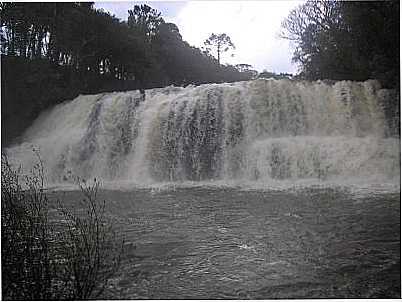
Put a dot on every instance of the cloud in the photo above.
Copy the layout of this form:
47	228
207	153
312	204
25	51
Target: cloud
117	8
169	9
252	25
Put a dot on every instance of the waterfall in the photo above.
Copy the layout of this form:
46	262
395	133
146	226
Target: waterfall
261	130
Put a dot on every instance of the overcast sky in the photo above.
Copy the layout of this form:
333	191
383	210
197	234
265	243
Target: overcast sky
252	25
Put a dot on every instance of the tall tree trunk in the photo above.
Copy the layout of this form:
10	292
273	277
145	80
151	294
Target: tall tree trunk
219	54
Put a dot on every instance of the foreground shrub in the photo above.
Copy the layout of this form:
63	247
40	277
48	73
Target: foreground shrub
90	253
67	255
25	233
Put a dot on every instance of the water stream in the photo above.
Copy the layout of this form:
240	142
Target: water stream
258	131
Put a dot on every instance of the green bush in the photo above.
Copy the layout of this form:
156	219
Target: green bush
70	254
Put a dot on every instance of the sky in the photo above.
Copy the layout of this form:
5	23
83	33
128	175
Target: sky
253	27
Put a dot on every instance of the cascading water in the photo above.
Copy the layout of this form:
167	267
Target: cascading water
259	131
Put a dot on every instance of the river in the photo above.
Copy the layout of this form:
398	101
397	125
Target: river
207	242
257	189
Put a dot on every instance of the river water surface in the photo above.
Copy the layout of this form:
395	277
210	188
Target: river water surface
230	243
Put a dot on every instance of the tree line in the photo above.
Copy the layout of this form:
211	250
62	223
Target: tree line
346	40
333	39
144	49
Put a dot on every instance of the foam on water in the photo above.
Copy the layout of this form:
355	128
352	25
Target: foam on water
263	133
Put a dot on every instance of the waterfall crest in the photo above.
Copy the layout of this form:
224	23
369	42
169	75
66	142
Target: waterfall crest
261	130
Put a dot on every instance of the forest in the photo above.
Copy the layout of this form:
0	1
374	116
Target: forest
51	52
346	40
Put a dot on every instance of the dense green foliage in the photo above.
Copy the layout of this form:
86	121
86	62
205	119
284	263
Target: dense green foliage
145	48
346	40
